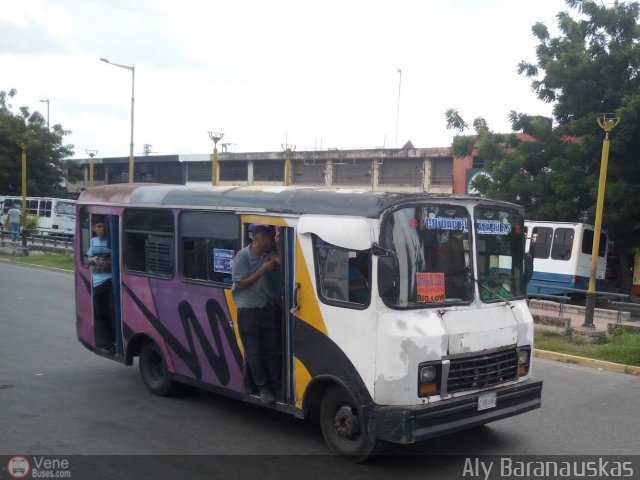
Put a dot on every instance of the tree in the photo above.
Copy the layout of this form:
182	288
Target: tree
45	151
591	67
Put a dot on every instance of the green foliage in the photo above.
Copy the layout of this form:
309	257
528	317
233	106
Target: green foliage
592	66
44	151
31	222
455	121
618	347
462	146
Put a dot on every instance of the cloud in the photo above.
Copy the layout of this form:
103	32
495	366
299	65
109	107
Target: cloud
29	39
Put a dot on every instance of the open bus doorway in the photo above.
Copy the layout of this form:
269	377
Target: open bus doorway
274	350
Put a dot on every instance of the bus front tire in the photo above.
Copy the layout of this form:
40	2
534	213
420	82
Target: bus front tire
154	373
343	427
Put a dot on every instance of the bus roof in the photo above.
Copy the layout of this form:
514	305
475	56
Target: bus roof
280	199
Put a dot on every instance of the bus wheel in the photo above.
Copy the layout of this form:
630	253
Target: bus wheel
343	428
153	371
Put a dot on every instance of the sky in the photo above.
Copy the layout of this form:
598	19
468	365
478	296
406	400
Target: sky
314	75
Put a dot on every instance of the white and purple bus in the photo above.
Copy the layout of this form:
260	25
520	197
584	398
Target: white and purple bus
437	339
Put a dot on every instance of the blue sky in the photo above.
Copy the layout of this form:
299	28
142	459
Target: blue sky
318	74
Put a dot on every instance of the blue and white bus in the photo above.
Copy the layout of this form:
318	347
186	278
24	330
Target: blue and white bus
562	256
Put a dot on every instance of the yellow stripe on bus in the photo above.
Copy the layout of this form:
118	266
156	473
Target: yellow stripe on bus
233	312
302	379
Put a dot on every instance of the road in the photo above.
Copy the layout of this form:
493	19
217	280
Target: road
57	398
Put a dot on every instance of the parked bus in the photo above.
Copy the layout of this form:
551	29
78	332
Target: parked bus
561	254
56	216
440	341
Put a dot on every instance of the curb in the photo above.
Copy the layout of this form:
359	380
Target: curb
587	362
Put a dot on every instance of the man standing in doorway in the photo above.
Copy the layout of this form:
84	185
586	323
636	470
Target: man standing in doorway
258	307
99	254
15	215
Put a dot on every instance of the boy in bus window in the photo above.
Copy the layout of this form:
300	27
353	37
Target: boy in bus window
99	255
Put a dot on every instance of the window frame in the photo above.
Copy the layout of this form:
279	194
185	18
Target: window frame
125	243
180	245
319	280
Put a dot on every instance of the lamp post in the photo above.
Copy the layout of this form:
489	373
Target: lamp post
47	101
216	137
132	69
91	153
607	122
288	150
23	146
398	110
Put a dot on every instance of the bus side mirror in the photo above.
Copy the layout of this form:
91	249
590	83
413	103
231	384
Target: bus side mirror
387	277
528	267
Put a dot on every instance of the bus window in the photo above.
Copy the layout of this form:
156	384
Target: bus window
32	207
343	274
562	244
45	208
209	241
541	242
431	245
587	243
500	247
148	236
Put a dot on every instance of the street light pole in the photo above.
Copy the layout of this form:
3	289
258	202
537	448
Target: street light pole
288	150
398	110
23	208
47	101
607	122
132	69
216	137
91	153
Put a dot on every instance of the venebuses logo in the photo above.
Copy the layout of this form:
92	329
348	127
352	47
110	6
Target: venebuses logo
18	467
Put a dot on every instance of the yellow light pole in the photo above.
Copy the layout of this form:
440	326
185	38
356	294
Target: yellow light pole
23	208
216	137
132	69
606	121
288	150
91	153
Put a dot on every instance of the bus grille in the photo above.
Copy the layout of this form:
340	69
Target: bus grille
482	371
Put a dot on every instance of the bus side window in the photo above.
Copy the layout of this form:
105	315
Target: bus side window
208	242
149	240
541	242
343	274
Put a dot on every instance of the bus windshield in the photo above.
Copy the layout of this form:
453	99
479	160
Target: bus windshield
431	245
500	254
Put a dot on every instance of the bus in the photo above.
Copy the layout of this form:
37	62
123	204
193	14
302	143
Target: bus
561	254
440	341
56	216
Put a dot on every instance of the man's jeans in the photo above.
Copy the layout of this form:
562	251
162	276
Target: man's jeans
15	231
260	334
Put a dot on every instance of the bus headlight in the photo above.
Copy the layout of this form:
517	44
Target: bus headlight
524	360
429	379
428	374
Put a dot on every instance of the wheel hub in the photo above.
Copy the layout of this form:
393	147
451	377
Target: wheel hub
346	422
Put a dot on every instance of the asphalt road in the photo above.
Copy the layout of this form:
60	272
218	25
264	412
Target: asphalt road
57	398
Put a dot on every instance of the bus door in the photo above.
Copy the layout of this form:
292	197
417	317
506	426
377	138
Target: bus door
283	283
108	329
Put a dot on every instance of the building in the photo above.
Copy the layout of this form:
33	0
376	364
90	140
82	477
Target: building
393	169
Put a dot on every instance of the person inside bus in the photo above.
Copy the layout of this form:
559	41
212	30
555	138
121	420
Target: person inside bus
99	257
258	311
15	215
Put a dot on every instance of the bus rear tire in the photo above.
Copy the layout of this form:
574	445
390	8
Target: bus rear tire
343	427
154	373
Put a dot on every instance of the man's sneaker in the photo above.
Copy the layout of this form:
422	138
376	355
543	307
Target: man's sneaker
266	397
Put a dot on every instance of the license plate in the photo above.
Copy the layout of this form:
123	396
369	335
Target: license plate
487	400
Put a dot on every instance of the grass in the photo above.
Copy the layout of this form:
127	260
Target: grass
64	262
619	346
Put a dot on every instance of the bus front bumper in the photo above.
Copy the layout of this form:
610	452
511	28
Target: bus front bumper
412	424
